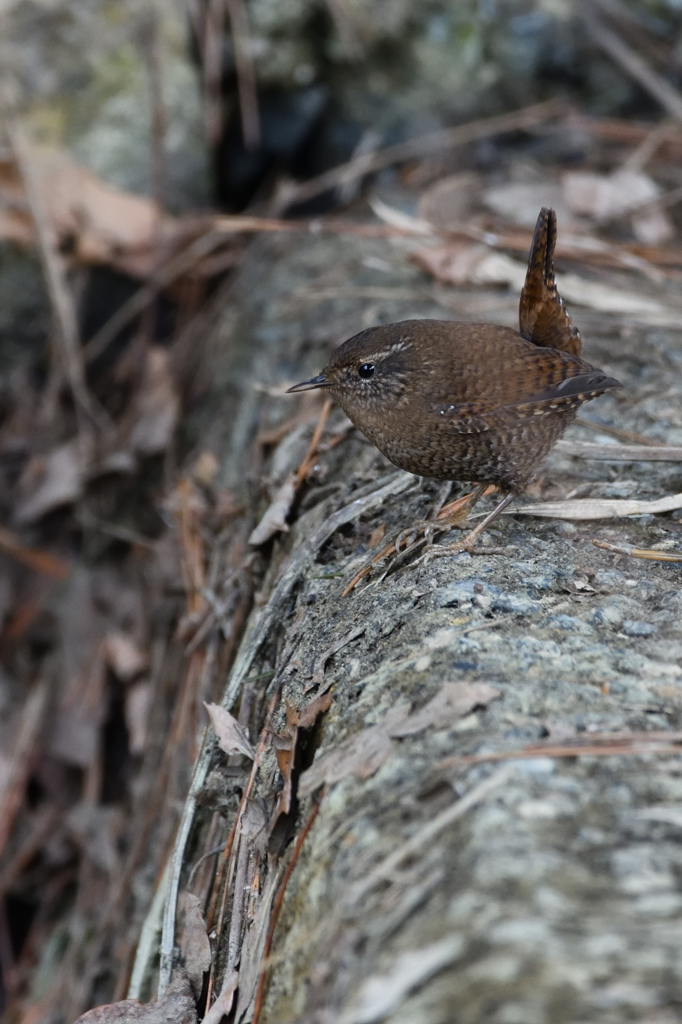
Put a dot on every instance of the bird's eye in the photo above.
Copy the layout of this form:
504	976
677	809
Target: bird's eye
366	370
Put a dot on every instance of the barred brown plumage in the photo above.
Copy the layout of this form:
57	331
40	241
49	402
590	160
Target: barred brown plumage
451	400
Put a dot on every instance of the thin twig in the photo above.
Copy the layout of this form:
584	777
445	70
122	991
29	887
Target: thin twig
277	906
634	65
212	60
423	145
61	299
41	561
622	435
644	151
650	554
619	452
597	745
246	75
138	302
225	867
22	758
151	44
311	454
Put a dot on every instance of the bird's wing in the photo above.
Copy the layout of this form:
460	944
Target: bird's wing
478	417
542	315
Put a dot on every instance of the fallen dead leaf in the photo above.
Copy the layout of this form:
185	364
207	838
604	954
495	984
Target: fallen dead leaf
364	753
600	508
306	717
452	702
205	469
75	731
455	263
610	196
157	405
97	829
285	751
124	657
376	536
361	755
102	224
176	1007
274	519
137	706
520	202
253	947
449	201
194	942
223	1004
460	263
230	735
285	745
52	481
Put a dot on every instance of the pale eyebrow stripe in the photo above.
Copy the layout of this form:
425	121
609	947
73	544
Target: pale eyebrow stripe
399	346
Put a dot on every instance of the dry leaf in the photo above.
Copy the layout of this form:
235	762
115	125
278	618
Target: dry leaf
137	706
101	224
452	702
157	405
285	751
285	745
449	201
455	263
600	508
306	717
476	264
75	731
603	196
376	536
520	202
364	753
194	942
606	197
361	755
231	737
205	469
124	657
176	1007
223	1004
274	520
400	219
52	480
251	962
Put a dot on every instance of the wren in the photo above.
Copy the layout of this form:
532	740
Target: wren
460	401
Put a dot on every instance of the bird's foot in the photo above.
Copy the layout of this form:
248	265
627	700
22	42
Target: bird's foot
424	533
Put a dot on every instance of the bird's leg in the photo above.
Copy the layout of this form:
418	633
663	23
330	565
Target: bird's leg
468	542
459	509
443	516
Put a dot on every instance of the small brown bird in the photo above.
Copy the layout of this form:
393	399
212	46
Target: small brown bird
470	401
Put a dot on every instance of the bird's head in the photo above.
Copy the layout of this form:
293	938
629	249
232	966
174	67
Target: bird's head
372	370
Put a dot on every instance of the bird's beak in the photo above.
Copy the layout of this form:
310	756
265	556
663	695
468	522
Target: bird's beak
309	385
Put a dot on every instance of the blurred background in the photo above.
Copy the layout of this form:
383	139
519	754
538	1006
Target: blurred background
134	135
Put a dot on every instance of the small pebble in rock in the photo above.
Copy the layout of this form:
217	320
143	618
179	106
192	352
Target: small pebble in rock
515	603
607	615
632	628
